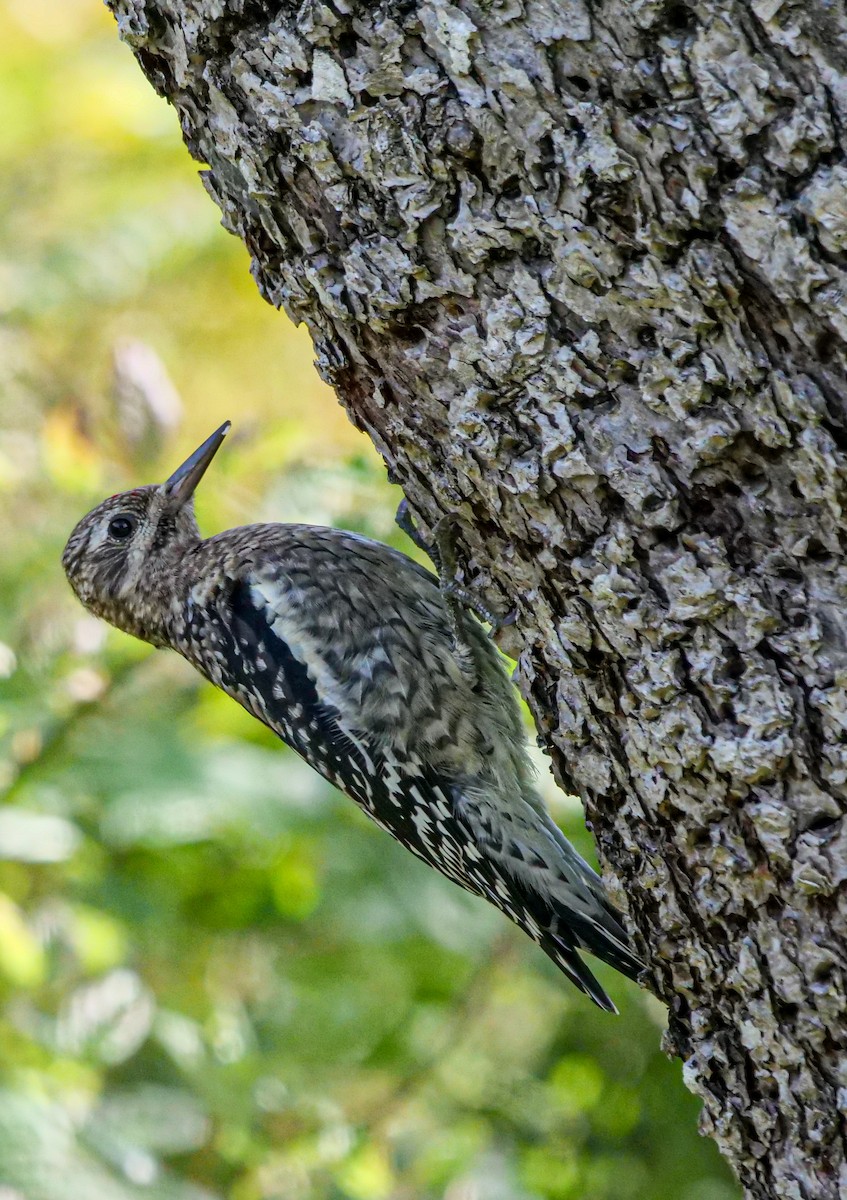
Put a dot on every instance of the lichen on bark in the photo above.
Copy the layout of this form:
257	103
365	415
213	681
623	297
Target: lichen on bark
578	270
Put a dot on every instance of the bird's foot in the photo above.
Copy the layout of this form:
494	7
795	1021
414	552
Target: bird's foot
442	552
405	521
446	551
456	598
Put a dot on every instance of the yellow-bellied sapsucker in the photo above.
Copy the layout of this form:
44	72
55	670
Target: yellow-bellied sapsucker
347	650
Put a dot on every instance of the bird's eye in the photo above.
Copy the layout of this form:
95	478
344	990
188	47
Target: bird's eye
121	528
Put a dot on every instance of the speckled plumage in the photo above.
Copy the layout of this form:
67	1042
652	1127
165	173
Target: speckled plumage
343	647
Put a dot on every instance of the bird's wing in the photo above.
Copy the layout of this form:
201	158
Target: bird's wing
297	697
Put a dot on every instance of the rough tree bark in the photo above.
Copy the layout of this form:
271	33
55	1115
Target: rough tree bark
578	270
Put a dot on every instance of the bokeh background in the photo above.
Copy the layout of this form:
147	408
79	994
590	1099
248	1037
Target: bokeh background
216	979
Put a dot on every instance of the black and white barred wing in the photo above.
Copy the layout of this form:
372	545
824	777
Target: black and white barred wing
279	672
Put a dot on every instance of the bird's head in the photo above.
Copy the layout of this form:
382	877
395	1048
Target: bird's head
118	554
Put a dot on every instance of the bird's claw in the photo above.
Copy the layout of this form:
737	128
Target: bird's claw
404	520
442	552
500	623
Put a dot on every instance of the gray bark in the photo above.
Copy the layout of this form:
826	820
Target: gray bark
579	271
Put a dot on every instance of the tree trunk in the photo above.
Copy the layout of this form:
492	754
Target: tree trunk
578	270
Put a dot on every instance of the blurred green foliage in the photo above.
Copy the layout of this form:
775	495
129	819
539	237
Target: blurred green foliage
216	978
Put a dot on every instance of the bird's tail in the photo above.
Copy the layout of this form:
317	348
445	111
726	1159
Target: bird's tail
601	934
573	921
566	958
598	931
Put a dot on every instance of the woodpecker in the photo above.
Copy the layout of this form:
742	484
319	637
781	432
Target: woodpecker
347	649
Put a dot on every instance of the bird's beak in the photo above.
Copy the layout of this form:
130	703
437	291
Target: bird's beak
180	487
